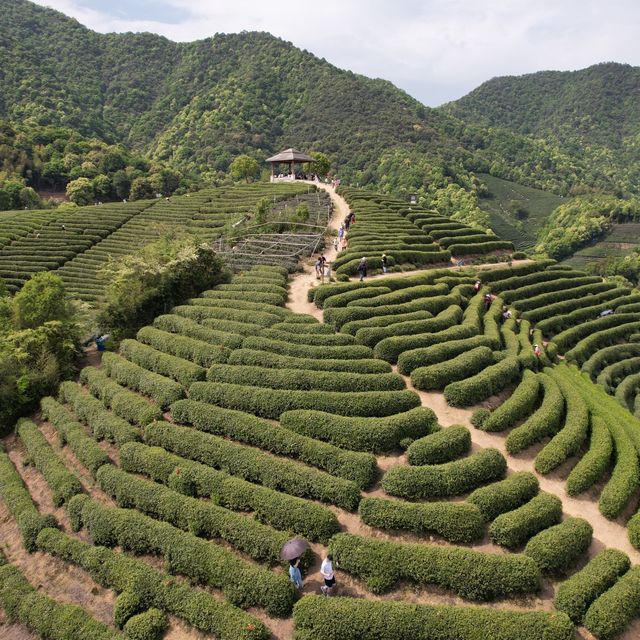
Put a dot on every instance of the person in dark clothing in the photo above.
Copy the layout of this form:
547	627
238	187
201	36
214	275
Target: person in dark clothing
362	268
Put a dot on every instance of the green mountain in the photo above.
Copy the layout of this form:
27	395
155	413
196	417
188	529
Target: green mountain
195	106
593	113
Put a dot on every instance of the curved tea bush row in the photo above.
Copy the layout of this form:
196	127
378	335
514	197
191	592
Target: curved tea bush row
415	258
527	304
384	321
613	611
568	441
519	405
570	337
271	403
318	618
471	237
559	284
196	351
362	434
226	318
611	376
319	294
276	299
505	495
518	281
144	587
442	352
185	554
279	510
253	357
351	465
627	391
63	483
480	249
206	519
104	425
296	328
72	433
501	273
20	504
439	447
253	465
285	348
45	616
608	356
514	528
584	349
460	367
347	296
318	339
444	480
557	548
160	389
544	422
179	369
454	521
575	595
304	380
124	403
399	296
469	574
484	384
595	462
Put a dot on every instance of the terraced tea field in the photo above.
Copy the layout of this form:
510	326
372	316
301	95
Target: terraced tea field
624	238
467	487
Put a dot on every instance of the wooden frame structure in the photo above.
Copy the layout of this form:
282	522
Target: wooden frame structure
290	157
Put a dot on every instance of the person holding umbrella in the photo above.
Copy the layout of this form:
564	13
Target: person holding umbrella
294	572
291	551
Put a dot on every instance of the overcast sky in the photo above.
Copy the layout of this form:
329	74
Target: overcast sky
436	50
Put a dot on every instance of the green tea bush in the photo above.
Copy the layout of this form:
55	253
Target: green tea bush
558	548
480	249
469	574
514	528
196	351
575	595
276	299
506	495
306	328
438	376
501	273
595	462
383	321
311	339
534	302
484	384
584	349
285	348
405	294
360	293
570	337
227	318
517	282
441	446
271	403
454	521
242	427
611	376
362	434
443	480
149	625
319	294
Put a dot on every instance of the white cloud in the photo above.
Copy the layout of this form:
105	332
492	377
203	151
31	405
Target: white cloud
437	50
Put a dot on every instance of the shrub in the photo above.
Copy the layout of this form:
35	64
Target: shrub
501	273
150	625
613	611
405	294
570	337
162	390
454	521
310	339
304	380
72	433
575	595
284	348
362	434
514	528
592	343
518	406
438	376
276	299
480	249
506	495
321	293
253	465
484	384
557	548
449	479
470	574
593	465
191	329
196	351
271	403
612	375
251	357
62	482
155	588
359	467
441	446
534	302
227	316
383	321
360	293
277	509
545	421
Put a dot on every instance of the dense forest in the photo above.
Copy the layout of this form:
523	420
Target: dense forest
195	106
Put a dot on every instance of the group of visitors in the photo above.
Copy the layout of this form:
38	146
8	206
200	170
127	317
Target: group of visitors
326	570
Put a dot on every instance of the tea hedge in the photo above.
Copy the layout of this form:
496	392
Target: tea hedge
460	367
513	528
399	296
362	434
469	574
444	480
558	548
147	587
480	249
226	318
505	495
311	339
285	348
575	595
359	293
527	304
384	321
271	403
317	618
358	467
454	521
254	465
148	625
441	446
570	337
62	482
279	510
611	376
196	351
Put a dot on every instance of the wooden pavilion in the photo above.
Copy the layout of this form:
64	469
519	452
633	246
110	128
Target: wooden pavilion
290	157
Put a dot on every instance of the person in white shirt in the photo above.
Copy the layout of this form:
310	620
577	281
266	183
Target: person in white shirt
326	569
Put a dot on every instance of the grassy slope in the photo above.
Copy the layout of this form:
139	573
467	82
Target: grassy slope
620	241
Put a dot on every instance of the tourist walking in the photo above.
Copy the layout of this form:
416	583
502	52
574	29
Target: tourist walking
319	267
384	263
294	572
326	569
477	285
362	268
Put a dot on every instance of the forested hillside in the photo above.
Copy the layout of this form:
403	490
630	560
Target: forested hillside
198	105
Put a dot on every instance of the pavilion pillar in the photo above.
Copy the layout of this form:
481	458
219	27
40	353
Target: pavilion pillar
272	164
